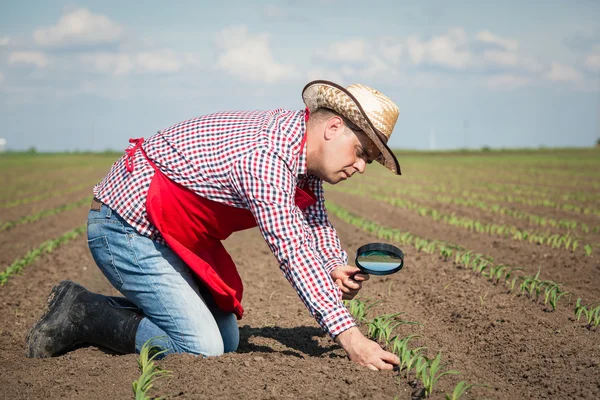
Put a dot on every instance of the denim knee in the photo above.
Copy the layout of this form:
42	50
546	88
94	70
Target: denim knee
213	348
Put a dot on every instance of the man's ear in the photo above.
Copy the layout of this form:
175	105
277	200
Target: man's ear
334	127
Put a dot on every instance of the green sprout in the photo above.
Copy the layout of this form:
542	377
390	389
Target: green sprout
460	389
381	327
431	371
150	371
592	315
358	309
446	252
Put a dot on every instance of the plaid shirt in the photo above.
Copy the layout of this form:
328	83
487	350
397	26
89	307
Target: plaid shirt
253	160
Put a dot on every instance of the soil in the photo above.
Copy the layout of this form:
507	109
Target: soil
507	342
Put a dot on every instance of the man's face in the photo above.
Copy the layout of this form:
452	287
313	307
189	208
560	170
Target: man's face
347	153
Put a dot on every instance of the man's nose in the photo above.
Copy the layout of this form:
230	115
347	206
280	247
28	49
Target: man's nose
360	165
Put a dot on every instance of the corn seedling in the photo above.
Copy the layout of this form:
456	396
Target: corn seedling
359	309
588	250
460	389
592	315
496	272
431	373
530	284
413	358
400	347
552	294
381	327
446	252
149	371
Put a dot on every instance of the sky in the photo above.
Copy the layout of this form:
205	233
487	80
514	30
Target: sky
88	75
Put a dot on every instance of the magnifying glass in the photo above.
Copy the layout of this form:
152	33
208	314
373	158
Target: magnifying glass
379	259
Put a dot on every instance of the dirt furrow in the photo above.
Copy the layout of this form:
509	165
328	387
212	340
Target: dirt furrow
16	242
578	273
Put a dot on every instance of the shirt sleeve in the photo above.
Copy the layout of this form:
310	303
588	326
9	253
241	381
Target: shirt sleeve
326	238
268	186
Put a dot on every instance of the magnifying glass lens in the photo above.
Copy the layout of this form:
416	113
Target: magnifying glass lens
379	259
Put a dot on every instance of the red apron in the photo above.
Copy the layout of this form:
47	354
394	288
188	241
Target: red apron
194	227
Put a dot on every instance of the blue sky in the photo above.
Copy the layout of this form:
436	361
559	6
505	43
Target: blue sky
90	74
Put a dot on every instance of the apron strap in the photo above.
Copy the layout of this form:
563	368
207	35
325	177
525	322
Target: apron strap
137	144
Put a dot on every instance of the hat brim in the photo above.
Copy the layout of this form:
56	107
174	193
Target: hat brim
313	100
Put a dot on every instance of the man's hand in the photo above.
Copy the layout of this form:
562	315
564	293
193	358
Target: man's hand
349	279
366	352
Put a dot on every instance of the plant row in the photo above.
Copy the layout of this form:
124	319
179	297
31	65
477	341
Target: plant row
47	247
553	240
495	208
44	213
506	195
497	181
39	186
412	360
480	264
44	196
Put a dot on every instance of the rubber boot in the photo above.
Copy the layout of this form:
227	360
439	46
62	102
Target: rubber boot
77	317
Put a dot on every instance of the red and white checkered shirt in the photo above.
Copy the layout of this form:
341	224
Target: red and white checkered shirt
252	160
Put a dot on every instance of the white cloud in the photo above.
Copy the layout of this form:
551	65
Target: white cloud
328	75
489	37
153	61
119	64
532	65
416	49
353	50
502	57
78	27
507	81
391	51
248	56
116	64
4	40
36	58
564	73
592	61
448	50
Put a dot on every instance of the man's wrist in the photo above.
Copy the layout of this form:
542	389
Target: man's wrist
345	338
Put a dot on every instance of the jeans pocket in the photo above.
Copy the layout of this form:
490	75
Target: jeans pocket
103	256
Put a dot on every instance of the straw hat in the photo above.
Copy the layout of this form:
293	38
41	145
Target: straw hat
371	111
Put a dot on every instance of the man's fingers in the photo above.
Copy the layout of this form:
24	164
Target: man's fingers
342	286
383	366
352	284
390	358
361	277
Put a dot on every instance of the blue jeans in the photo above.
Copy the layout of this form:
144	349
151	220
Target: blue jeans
159	283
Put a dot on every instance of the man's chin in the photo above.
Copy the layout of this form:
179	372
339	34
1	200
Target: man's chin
334	181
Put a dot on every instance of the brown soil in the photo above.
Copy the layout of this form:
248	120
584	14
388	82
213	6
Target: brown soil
476	214
579	274
18	241
16	212
495	338
507	343
551	212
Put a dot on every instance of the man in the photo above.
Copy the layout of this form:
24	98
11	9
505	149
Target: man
158	218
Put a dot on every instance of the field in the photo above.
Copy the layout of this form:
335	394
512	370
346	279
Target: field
501	278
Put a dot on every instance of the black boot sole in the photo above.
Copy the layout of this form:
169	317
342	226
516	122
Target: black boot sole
45	339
